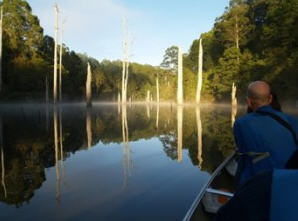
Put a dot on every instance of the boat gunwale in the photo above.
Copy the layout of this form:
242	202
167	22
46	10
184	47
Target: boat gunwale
199	197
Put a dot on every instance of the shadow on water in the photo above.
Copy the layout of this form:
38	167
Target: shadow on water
202	137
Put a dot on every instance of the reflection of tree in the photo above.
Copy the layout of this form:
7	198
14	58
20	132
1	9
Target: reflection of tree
2	161
29	148
56	155
88	128
199	128
179	131
61	143
126	161
169	143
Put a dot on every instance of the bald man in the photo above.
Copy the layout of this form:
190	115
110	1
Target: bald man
265	138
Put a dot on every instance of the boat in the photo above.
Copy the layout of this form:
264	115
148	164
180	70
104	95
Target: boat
216	192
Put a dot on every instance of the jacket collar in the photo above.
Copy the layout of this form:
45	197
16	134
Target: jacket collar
267	108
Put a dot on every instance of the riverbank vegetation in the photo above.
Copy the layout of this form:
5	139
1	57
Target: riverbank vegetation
252	40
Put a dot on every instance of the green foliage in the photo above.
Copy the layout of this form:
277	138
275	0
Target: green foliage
170	60
252	40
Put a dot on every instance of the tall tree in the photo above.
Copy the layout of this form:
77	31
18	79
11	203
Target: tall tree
55	55
200	73
180	77
170	59
88	86
234	25
125	63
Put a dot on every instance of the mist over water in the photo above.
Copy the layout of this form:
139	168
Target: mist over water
109	162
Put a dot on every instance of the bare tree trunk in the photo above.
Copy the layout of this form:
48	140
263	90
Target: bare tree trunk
88	86
157	90
56	155
200	73
157	115
60	64
148	96
180	77
233	115
148	110
119	101
1	27
179	132
200	142
233	95
2	161
55	55
125	63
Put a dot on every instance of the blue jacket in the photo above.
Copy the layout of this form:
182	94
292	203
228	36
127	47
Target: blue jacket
267	196
258	133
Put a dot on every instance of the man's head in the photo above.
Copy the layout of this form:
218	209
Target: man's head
258	95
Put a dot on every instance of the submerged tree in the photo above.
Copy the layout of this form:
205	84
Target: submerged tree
55	55
180	77
200	73
88	86
125	63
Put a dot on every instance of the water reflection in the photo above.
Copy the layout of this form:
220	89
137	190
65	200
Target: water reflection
29	149
88	128
199	128
126	158
179	132
2	161
56	155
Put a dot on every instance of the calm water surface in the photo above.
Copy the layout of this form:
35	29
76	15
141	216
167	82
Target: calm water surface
133	163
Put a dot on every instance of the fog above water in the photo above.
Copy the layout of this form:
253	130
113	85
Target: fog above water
143	161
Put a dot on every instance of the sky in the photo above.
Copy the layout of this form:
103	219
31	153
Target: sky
94	27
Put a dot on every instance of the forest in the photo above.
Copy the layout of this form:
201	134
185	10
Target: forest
251	40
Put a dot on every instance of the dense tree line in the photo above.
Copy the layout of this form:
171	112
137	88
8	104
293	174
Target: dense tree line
252	40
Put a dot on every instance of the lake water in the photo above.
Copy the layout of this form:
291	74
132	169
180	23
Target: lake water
139	162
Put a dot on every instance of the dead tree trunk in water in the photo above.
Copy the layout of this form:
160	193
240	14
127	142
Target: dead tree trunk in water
233	95
180	78
60	63
1	27
157	90
125	63
148	96
200	73
88	87
55	55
